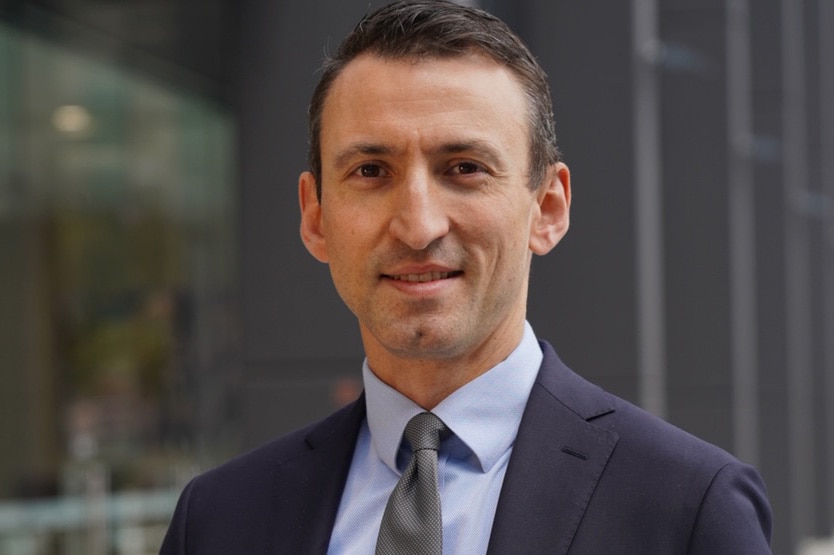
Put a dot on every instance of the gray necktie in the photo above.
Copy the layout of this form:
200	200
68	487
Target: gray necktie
411	523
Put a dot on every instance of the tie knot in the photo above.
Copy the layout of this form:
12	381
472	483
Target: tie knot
423	431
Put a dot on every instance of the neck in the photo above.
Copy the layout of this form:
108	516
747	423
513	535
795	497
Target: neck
427	381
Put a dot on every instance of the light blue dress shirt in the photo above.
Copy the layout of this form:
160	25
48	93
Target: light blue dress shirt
483	416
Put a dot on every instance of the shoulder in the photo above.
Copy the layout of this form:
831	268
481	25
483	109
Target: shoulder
643	435
640	434
281	451
686	482
240	505
249	480
663	476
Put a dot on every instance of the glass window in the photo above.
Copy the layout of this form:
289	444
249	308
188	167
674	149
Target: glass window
116	294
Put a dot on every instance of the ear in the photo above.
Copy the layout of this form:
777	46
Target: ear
552	217
311	228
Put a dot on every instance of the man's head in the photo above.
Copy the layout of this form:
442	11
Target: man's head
423	205
426	29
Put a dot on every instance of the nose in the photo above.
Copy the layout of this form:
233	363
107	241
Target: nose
419	217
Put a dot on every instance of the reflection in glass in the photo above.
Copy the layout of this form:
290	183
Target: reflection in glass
116	281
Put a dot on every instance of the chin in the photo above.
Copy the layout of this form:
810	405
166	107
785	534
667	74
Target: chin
433	345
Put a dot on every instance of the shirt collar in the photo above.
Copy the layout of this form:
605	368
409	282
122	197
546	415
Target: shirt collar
484	414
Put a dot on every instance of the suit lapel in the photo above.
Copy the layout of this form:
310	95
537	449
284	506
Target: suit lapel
307	488
557	460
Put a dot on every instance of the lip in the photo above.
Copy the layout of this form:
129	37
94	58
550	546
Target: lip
425	272
421	279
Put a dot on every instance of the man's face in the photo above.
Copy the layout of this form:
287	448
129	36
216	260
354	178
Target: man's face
426	218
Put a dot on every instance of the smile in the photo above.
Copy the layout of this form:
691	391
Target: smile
428	276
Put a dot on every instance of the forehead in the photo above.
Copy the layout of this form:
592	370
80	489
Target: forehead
469	94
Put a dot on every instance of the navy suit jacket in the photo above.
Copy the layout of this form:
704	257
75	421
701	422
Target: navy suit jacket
590	474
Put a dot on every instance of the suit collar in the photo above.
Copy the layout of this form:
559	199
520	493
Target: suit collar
557	460
314	481
577	394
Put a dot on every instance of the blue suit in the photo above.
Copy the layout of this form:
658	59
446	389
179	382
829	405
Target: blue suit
590	474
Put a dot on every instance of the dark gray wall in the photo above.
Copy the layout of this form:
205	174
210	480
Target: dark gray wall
299	339
766	35
582	293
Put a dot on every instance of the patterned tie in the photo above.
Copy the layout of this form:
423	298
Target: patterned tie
411	523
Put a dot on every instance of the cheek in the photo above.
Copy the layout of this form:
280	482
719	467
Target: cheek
341	228
348	246
508	230
513	250
348	242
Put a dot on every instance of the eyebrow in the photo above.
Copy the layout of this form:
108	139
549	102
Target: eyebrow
344	157
482	149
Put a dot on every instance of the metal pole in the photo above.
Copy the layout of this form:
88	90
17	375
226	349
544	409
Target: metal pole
797	275
648	208
742	234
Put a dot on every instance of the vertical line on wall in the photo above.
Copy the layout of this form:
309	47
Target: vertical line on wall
742	239
797	274
649	208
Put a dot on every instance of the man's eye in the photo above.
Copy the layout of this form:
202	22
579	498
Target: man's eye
465	168
370	170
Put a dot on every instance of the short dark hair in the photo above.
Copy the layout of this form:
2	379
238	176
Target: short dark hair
425	29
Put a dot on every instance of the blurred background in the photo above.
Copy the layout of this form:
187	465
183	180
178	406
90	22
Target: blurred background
158	313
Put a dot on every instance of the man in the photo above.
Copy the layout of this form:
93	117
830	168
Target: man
434	177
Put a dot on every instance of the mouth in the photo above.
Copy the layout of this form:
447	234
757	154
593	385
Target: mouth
423	277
